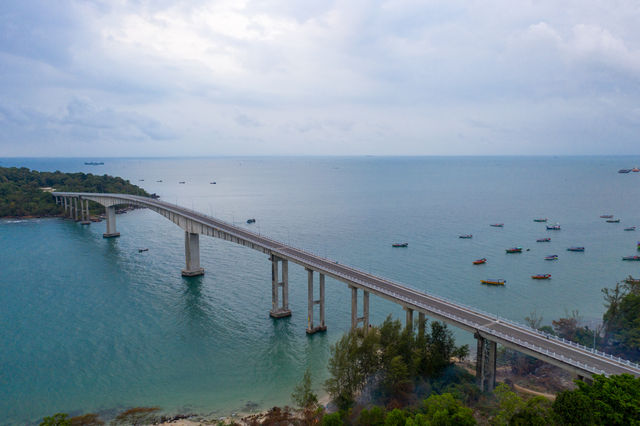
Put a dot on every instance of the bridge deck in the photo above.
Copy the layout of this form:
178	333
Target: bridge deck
565	354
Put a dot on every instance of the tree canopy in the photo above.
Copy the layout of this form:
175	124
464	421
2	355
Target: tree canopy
21	191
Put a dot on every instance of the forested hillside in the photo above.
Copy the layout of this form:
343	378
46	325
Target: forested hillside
21	191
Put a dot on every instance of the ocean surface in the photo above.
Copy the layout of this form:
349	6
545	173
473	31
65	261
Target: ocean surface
91	325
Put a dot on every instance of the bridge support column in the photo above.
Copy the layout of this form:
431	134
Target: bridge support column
75	209
84	207
355	320
421	323
278	311
409	318
66	206
192	255
486	364
311	302
111	223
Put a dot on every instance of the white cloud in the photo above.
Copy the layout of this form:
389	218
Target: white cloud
340	77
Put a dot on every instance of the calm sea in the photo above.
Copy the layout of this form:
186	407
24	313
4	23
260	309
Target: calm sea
88	324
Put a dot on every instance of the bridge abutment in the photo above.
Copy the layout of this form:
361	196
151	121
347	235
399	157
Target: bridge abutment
486	363
111	223
364	319
278	311
192	255
311	302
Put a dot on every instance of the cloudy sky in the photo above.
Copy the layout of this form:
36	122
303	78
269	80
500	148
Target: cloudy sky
165	78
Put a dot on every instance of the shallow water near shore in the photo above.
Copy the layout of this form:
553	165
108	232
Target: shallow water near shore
90	324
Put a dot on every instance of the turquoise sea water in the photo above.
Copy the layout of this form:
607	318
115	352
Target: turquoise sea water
88	324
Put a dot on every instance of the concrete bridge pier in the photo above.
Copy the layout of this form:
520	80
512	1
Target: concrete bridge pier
66	206
311	302
111	223
355	320
84	206
421	323
192	255
409	318
486	364
278	311
76	216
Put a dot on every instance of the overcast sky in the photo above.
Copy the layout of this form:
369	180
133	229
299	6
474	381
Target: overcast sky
166	78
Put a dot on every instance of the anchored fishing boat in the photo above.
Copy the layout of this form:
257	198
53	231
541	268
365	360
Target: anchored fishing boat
400	245
630	228
551	257
555	227
606	216
575	249
466	236
613	220
493	282
514	250
497	225
631	258
543	240
540	220
251	220
541	276
480	261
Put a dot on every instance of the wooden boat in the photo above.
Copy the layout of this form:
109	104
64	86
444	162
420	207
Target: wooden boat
631	258
251	220
493	282
575	249
541	276
540	220
514	250
551	257
465	236
606	216
543	240
624	170
635	170
613	220
497	225
142	249
631	228
400	245
555	227
480	261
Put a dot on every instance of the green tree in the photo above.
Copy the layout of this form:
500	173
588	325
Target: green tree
58	419
613	400
445	410
303	395
333	419
395	417
372	417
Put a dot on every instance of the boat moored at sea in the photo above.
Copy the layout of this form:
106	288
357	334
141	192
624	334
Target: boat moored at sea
631	258
497	225
543	240
400	245
514	250
555	227
606	216
541	276
540	220
493	282
142	250
613	220
480	261
630	228
252	220
575	248
551	257
624	170
465	236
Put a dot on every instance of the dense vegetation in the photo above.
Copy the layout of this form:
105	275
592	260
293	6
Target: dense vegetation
390	360
622	320
21	193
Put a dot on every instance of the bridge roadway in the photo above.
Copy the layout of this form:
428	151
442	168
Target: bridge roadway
577	359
